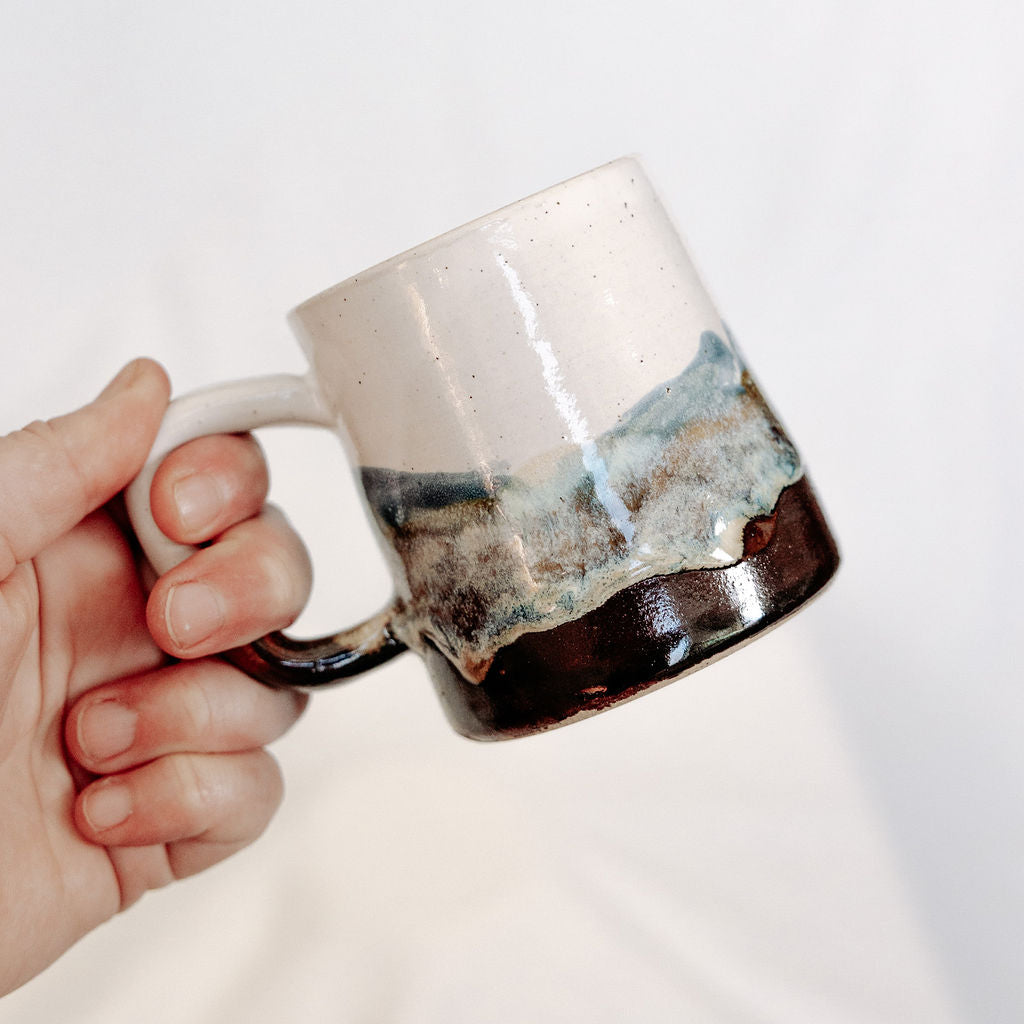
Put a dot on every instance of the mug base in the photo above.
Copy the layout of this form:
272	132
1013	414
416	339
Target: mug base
648	634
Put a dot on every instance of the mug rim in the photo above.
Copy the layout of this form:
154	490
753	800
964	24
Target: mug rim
446	237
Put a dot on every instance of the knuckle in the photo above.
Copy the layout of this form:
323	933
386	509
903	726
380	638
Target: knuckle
279	577
198	706
40	446
193	789
50	444
270	782
254	463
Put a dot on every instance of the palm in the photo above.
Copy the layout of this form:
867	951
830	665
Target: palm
77	615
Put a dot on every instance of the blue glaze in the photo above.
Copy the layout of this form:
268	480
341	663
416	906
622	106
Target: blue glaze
669	487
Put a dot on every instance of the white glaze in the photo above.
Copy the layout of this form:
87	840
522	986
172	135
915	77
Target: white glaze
498	341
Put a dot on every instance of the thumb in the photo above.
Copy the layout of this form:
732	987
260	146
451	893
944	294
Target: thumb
53	474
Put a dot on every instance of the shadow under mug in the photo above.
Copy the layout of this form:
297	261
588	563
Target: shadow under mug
579	489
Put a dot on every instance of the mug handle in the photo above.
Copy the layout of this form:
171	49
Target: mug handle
232	408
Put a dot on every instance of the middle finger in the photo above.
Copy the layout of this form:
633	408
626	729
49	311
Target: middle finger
252	580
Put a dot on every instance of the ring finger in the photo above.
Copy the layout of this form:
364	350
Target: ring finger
204	707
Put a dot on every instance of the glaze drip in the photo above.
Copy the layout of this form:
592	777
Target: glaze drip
671	486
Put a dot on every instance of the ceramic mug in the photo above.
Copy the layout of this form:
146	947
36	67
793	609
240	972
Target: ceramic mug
578	486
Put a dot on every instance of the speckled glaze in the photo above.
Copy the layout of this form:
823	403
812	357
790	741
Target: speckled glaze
529	329
578	485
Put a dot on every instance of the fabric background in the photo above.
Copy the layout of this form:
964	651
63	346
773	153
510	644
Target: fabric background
826	826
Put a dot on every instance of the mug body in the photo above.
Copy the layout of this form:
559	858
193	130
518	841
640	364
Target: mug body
581	491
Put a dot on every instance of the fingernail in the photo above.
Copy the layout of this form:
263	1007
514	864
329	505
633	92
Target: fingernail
194	612
124	379
106	728
199	499
107	805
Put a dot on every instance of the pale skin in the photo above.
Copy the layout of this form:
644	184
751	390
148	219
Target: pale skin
123	768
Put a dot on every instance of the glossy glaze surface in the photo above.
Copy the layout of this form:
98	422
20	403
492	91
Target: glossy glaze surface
486	558
535	326
649	633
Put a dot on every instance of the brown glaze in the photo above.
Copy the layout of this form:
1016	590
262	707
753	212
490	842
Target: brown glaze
281	661
650	632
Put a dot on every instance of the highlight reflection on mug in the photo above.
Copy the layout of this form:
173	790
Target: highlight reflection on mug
670	487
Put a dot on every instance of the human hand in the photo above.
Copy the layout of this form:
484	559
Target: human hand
121	770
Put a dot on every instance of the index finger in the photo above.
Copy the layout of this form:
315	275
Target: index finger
54	473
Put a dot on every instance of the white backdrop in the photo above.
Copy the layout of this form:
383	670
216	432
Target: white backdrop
826	826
